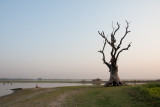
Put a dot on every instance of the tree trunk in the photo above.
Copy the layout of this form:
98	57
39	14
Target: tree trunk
114	79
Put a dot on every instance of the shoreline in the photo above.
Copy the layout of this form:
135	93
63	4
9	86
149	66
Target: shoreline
82	96
6	89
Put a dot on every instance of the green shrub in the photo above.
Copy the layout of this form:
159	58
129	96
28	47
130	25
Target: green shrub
149	92
155	92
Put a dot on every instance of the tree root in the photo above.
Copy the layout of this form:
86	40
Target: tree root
114	83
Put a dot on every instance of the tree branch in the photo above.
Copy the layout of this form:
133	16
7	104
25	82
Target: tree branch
113	40
127	31
104	45
104	61
123	50
114	52
102	51
103	36
114	32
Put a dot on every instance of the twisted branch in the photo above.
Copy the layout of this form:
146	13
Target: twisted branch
127	31
114	54
123	50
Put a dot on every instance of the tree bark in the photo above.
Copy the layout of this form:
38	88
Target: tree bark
114	78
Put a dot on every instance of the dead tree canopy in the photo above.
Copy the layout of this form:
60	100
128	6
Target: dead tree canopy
115	52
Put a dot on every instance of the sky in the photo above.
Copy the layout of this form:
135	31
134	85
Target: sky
58	39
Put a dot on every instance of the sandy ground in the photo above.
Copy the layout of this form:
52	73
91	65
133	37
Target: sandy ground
62	98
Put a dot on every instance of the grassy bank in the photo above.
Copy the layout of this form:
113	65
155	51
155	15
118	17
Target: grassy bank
85	96
148	93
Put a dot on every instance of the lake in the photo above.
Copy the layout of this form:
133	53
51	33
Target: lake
5	89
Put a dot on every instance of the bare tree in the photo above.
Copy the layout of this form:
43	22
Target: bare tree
115	52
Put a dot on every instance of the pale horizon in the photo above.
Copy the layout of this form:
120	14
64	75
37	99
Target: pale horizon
59	39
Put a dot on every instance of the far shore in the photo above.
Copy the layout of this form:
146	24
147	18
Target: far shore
83	81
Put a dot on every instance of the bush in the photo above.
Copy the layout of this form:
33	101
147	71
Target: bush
149	92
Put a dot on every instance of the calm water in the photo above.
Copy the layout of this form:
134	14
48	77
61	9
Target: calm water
5	88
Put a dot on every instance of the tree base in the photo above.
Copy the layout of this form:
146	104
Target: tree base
114	83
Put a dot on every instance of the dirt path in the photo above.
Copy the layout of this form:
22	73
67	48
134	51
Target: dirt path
62	98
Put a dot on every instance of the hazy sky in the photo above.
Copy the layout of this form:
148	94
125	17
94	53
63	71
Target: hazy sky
59	38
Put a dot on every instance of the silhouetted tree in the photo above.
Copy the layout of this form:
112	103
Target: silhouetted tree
115	52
